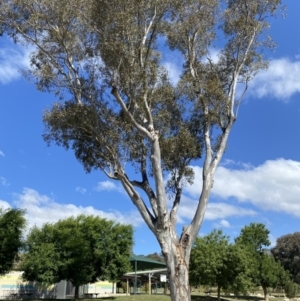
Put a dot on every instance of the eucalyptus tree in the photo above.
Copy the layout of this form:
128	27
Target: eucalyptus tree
117	105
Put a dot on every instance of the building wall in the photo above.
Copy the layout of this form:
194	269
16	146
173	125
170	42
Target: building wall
100	287
12	284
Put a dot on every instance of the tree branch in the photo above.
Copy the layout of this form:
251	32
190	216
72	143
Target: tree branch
139	203
119	99
173	212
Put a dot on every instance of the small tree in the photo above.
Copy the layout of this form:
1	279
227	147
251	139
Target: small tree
12	224
101	58
82	250
291	289
214	261
263	270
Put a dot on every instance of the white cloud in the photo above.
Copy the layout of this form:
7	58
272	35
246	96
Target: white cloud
174	71
224	210
4	182
4	205
272	186
229	162
80	190
214	54
215	210
222	224
41	209
108	186
1	153
280	80
273	241
12	59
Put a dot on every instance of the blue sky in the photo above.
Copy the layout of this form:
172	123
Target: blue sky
258	179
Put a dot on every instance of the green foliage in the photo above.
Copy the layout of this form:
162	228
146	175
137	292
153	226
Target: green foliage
81	250
255	236
157	257
207	257
214	261
92	47
291	289
12	224
262	268
287	252
271	272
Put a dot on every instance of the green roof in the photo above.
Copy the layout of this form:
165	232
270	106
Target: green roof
143	263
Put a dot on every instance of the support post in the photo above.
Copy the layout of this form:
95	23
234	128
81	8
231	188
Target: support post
135	277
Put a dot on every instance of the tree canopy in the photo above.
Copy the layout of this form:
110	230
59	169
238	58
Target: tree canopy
117	105
255	237
12	224
287	252
238	267
263	270
82	250
215	262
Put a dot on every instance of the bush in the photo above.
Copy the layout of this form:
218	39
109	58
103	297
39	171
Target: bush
124	287
291	289
145	287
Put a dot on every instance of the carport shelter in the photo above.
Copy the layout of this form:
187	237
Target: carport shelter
142	265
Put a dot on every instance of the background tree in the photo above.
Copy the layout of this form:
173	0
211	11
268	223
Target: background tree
156	256
101	58
263	270
12	224
287	252
81	250
214	261
291	289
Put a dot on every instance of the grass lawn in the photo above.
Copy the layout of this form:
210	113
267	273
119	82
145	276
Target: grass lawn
144	297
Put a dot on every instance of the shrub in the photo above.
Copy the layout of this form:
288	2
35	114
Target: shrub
291	289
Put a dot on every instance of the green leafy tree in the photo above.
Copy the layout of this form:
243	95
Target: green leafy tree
214	261
287	252
12	224
156	256
262	269
118	105
255	237
291	289
82	250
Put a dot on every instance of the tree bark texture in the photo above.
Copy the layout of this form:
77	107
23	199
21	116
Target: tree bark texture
177	260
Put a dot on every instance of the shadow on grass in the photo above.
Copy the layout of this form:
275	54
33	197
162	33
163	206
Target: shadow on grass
160	298
225	298
250	298
73	299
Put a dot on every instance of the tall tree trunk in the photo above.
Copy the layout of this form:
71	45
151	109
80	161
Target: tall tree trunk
177	259
266	294
219	292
